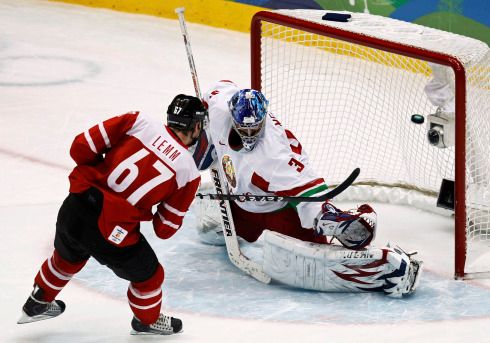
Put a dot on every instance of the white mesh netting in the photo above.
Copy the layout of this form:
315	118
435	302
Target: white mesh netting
350	105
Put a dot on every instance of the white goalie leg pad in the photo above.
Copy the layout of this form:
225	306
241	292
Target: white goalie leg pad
333	268
208	223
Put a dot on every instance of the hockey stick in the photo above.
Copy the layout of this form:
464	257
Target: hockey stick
232	247
249	197
190	56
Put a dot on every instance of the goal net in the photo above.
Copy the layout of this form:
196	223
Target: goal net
348	90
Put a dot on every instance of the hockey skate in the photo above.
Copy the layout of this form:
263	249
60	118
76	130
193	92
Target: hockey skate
405	280
165	325
35	309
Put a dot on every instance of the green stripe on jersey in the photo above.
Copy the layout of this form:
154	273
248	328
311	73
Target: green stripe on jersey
310	193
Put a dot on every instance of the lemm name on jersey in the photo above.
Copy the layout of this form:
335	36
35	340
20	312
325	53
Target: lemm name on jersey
166	148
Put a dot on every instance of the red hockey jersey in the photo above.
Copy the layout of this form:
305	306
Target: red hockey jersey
136	164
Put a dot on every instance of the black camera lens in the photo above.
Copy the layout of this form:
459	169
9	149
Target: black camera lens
435	135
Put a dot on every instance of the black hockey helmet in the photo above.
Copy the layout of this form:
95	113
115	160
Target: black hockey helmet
185	111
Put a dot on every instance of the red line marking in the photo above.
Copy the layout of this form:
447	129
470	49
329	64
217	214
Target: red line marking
33	159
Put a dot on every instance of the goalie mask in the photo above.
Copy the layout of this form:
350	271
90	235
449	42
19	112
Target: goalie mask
248	109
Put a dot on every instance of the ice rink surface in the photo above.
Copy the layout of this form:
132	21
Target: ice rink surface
64	68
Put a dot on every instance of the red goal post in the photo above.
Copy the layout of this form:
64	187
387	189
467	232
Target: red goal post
372	71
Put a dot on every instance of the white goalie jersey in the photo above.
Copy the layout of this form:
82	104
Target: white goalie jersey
277	165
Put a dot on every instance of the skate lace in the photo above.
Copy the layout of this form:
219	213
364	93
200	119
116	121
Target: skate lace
163	323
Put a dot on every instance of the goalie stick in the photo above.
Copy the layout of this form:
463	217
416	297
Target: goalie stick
249	197
232	247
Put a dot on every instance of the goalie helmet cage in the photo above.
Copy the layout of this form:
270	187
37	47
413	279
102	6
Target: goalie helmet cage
348	90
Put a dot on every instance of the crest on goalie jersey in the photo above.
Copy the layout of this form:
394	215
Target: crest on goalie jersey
229	170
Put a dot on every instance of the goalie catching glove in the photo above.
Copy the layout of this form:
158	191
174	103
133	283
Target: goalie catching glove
354	229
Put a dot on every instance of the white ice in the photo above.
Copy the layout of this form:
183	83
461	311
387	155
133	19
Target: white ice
64	68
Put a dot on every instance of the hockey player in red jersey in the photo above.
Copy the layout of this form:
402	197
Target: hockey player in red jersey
258	156
125	166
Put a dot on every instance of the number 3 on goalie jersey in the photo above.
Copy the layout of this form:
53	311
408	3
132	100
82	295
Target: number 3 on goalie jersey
295	163
129	167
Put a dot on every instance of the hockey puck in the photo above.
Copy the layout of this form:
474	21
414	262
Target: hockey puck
418	118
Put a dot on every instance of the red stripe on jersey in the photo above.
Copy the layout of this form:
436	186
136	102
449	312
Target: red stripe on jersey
300	189
260	182
374	264
294	143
